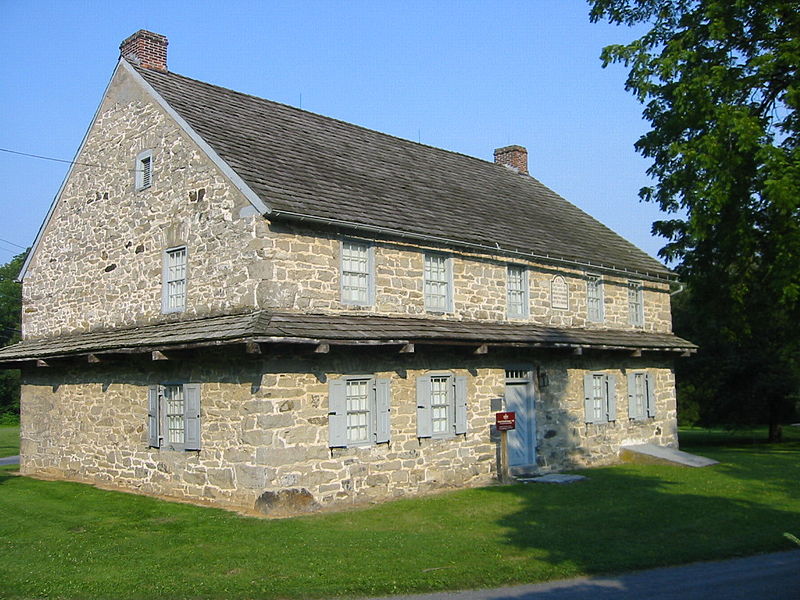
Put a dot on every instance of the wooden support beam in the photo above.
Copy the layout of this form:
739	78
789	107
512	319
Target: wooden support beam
482	349
42	363
577	351
407	349
637	353
253	348
93	358
158	355
686	354
322	348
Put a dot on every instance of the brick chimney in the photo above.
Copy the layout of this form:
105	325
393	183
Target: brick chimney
513	157
147	49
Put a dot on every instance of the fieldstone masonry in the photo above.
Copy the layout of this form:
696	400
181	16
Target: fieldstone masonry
264	419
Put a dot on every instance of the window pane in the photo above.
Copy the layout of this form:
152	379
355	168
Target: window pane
439	404
174	411
436	282
517	296
176	278
639	394
355	272
635	304
357	410
594	298
598	397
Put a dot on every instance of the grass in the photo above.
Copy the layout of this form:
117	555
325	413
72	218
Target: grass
9	440
66	540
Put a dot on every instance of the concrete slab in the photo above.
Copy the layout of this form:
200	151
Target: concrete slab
552	478
9	460
652	454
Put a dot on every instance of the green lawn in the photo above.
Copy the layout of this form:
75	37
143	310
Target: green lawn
9	440
65	540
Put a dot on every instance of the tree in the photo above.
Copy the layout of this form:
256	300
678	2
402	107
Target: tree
719	80
10	312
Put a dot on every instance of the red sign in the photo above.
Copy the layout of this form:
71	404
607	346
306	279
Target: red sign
505	421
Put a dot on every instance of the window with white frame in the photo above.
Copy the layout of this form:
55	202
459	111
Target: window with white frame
635	304
174	416
441	405
143	173
599	391
173	287
438	283
357	273
641	395
358	411
517	291
594	298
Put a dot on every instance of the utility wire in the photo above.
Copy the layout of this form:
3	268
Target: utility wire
61	160
13	244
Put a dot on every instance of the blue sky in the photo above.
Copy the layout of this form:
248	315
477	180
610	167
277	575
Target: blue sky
466	76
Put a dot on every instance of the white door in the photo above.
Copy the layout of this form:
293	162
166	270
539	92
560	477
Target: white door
519	399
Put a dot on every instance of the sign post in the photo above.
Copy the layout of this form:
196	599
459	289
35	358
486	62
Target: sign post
505	422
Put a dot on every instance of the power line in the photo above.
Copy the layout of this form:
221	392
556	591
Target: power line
13	244
61	160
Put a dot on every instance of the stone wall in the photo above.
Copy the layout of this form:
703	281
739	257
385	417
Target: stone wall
99	263
264	427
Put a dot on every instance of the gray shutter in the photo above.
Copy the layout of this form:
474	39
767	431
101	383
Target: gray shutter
164	299
461	403
588	405
612	397
152	416
337	413
383	409
191	397
633	411
651	395
424	406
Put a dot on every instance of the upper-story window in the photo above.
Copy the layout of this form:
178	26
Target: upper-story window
517	291
635	304
559	293
594	298
144	170
358	273
438	283
173	288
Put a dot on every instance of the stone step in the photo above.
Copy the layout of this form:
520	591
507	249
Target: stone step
651	454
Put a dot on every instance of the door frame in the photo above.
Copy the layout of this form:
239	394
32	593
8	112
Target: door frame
519	375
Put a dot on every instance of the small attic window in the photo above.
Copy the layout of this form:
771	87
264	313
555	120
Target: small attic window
144	170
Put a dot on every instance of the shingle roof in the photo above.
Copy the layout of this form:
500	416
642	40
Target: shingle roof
263	326
304	163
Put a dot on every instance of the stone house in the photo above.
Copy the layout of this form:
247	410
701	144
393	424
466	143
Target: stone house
238	302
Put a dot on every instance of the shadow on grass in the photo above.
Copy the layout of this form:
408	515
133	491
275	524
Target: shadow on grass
636	517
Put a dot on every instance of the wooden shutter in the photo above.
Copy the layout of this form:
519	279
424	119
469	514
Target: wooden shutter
461	404
152	416
383	410
651	394
337	413
633	410
191	397
588	402
424	428
611	382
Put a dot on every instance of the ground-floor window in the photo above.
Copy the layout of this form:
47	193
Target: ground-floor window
174	416
641	395
441	405
599	392
358	411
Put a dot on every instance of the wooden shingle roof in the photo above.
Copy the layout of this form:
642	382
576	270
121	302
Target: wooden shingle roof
267	327
304	164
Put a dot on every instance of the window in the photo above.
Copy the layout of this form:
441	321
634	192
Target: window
173	288
517	291
594	298
641	395
174	416
358	411
599	391
144	170
357	273
559	293
635	304
438	283
441	405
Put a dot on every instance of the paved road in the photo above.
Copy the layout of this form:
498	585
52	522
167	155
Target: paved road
9	460
764	577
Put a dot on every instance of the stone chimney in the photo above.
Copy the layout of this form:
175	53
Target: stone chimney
513	157
146	49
